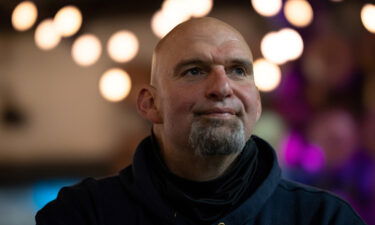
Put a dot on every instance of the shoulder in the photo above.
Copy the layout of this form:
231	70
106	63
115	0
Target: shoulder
313	204
308	193
96	189
87	202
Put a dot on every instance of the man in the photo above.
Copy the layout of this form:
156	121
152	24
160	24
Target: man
200	165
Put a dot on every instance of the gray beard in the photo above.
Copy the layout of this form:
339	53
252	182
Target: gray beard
210	137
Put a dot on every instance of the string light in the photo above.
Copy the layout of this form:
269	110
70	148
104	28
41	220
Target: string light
115	85
68	20
24	16
46	36
123	46
271	48
267	75
282	46
162	23
199	8
298	12
174	12
368	17
86	50
267	7
292	43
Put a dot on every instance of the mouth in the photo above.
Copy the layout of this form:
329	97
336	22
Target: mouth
217	113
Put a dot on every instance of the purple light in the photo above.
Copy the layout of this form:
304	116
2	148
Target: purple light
299	154
313	159
292	150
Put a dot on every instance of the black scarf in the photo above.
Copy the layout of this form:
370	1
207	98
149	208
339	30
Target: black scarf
205	202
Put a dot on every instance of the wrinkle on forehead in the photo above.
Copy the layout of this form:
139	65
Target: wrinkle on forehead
207	29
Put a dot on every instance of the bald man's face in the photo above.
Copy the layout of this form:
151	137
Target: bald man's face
205	84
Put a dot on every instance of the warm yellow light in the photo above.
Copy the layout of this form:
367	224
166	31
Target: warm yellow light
115	84
123	46
298	12
271	47
46	36
368	17
162	22
267	76
292	43
282	46
68	20
187	8
86	50
24	16
199	8
267	7
174	12
157	26
176	8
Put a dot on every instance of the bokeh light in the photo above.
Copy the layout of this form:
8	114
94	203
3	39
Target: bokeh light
267	7
187	8
24	16
368	17
313	159
45	191
115	84
176	8
267	75
162	23
46	36
298	12
282	46
271	48
199	8
292	43
174	12
298	153
123	46
68	20
86	50
271	127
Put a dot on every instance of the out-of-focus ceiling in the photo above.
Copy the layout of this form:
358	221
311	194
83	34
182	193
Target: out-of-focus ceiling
97	8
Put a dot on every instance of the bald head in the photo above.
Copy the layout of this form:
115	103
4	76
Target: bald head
206	29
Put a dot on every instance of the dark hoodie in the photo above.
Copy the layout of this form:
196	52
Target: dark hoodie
132	198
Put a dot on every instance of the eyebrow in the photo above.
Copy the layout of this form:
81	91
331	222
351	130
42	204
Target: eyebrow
197	61
245	63
188	62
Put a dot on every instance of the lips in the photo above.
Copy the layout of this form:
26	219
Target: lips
217	111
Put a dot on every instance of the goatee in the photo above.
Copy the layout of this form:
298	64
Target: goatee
214	137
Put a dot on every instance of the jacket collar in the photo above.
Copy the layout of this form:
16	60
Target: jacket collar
142	188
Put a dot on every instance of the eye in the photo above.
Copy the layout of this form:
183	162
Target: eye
238	71
193	71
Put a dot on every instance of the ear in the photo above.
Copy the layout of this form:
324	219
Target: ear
146	105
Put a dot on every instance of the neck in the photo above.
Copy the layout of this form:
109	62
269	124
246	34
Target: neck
198	168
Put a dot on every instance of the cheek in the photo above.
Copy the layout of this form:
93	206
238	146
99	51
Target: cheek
177	103
250	99
177	117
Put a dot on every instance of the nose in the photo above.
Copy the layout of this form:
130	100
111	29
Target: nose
218	85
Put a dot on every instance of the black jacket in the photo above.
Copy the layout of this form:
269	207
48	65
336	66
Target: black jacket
131	198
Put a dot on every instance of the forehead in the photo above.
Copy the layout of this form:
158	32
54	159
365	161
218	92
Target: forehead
215	47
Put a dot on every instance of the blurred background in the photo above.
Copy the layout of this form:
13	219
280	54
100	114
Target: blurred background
70	72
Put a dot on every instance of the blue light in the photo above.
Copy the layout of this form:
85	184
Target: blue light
47	190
